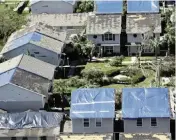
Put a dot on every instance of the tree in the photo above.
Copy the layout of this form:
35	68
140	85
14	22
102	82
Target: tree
61	87
155	44
10	21
85	6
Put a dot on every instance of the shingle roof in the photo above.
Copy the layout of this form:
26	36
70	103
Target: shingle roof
55	20
36	39
100	24
68	1
29	64
93	103
145	103
140	136
141	23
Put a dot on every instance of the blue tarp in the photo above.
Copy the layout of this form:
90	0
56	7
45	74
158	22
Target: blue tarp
24	40
93	103
109	6
6	77
143	6
145	103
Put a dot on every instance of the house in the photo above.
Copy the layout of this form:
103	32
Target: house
104	31
61	21
141	136
93	110
146	110
30	125
137	25
25	83
39	44
52	7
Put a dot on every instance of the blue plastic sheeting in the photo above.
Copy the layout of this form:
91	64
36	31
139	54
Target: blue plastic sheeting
24	40
145	103
6	77
143	6
109	6
93	103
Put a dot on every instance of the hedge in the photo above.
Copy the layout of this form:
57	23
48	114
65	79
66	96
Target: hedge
112	72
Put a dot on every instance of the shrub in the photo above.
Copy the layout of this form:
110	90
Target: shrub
76	82
117	61
112	72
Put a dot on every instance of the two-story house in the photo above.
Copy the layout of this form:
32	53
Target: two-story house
52	7
93	110
43	45
25	83
146	110
104	31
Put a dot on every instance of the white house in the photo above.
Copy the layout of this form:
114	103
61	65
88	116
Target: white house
30	125
52	7
104	31
93	110
43	45
146	110
25	83
137	25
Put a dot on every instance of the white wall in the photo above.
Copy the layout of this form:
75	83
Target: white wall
163	126
51	57
51	7
19	99
107	126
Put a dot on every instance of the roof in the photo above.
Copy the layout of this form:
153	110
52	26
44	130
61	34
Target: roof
143	6
145	103
93	103
29	64
73	32
142	136
36	39
39	28
68	1
108	7
6	77
100	24
141	23
30	119
56	20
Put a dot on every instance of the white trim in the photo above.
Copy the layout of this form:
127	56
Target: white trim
151	122
96	122
78	112
93	103
83	122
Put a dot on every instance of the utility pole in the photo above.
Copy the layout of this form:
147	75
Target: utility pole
158	78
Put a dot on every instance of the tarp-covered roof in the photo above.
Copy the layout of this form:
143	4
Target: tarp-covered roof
93	103
142	6
145	103
30	119
107	7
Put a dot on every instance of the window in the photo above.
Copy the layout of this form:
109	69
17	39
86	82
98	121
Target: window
108	37
43	138
86	122
69	27
135	35
95	36
13	138
98	122
139	122
153	122
24	138
109	49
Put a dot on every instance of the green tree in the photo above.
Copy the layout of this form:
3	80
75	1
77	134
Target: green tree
155	44
61	87
85	6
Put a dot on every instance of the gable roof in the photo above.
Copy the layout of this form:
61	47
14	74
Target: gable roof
145	103
100	24
56	20
72	2
36	39
29	64
108	7
93	103
142	23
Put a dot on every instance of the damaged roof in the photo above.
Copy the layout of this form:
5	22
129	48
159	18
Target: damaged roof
100	24
141	23
36	1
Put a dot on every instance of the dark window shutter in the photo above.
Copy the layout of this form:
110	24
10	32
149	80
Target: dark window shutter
103	37
113	37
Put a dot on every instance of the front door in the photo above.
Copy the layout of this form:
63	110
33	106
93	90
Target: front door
108	50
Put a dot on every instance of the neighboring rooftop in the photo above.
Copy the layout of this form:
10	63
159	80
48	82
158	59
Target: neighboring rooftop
143	6
108	7
100	24
29	64
56	20
145	103
140	136
37	39
93	103
141	23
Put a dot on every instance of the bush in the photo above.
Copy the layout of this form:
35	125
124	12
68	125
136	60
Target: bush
76	82
112	72
117	61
